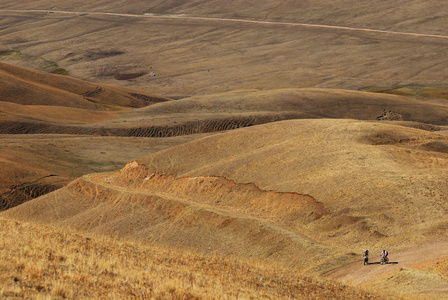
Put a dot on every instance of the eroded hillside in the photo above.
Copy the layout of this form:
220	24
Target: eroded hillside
317	187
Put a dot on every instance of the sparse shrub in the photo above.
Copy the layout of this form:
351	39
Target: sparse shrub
10	53
60	71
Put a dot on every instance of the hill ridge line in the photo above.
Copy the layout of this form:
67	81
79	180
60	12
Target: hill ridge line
35	82
293	235
308	25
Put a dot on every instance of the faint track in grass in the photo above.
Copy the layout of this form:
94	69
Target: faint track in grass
183	17
224	211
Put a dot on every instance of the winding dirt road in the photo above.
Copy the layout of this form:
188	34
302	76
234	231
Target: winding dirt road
418	257
184	17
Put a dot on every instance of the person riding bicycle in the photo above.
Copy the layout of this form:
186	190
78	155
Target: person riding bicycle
366	256
384	255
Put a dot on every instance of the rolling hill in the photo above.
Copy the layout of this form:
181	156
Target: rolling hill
47	162
204	195
289	138
30	87
33	165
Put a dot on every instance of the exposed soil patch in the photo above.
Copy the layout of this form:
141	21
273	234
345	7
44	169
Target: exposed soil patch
390	116
224	193
26	191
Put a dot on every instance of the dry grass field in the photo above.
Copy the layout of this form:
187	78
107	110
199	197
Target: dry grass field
198	57
202	149
206	197
47	262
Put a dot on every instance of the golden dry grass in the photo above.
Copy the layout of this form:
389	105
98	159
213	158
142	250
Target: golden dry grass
199	57
425	279
367	184
401	14
34	159
40	261
360	164
31	87
32	165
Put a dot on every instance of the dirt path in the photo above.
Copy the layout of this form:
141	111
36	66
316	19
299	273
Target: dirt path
417	257
282	230
181	16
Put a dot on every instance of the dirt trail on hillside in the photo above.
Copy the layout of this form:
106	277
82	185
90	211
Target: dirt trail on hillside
208	215
224	211
181	16
418	257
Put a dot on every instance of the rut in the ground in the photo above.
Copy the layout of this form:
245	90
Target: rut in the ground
187	128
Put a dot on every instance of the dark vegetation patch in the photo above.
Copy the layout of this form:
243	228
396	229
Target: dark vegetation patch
412	90
127	76
52	67
437	146
94	55
60	71
10	52
44	65
146	98
387	138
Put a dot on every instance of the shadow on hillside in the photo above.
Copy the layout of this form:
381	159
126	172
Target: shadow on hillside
389	263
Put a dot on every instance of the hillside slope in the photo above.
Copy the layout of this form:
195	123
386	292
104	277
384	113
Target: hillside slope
226	111
95	266
33	165
203	56
263	197
30	100
31	87
59	160
401	14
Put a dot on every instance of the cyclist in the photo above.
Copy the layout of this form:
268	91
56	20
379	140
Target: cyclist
366	256
384	255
